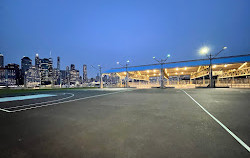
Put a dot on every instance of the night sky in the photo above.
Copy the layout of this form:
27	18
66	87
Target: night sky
103	32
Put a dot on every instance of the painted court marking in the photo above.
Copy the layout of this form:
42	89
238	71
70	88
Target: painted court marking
221	124
25	97
14	107
67	101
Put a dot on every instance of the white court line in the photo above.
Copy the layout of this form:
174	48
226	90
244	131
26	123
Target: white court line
65	101
4	110
13	107
221	124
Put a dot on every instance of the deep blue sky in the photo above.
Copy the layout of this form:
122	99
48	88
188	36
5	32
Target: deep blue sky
102	32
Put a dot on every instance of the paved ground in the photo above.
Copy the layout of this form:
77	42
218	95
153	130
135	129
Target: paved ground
148	123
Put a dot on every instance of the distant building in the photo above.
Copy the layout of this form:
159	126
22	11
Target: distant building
50	68
26	63
44	70
15	69
32	77
58	63
1	61
72	67
67	74
84	77
9	75
58	72
97	78
37	62
74	77
64	80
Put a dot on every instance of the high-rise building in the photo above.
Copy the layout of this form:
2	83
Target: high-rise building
72	67
84	76
32	78
74	76
58	63
1	61
37	62
14	69
50	68
44	69
63	77
26	63
58	72
67	74
9	75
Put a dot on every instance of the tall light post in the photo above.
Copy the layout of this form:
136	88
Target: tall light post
205	51
162	62
127	75
100	71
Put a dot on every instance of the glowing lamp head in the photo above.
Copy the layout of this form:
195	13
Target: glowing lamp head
204	50
153	57
127	61
117	63
168	55
224	47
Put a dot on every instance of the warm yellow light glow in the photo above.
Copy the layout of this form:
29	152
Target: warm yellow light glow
147	71
242	65
176	73
225	65
204	50
181	72
185	68
154	70
177	69
159	73
124	73
154	74
214	66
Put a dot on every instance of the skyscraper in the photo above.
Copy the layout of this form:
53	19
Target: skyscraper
58	72
58	63
37	62
50	68
84	77
67	74
72	67
26	63
44	69
1	60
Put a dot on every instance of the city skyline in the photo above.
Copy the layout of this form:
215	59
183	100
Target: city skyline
106	32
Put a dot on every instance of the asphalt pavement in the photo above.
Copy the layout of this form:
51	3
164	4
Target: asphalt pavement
138	123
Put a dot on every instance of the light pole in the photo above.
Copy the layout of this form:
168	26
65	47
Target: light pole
127	75
100	71
205	51
162	62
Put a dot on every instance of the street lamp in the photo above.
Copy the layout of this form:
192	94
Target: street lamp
205	51
100	70
127	75
162	62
